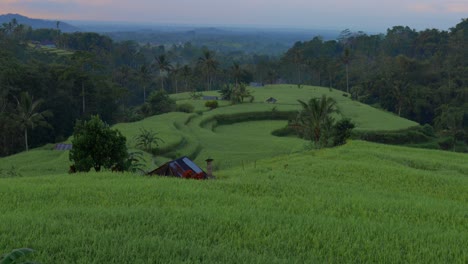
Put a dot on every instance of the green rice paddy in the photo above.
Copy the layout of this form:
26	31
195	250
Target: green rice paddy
273	200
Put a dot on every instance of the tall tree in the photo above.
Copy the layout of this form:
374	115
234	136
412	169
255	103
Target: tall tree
186	73
209	66
28	115
144	75
164	66
346	60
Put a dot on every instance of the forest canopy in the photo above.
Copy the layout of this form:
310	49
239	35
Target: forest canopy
419	75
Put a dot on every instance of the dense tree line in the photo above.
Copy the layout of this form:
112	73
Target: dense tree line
419	75
422	75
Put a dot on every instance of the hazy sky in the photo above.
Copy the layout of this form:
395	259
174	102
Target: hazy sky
337	14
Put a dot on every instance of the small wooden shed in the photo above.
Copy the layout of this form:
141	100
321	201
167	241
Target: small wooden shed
182	167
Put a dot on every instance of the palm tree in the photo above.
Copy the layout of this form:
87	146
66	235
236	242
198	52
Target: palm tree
209	66
28	116
315	120
164	66
346	59
236	72
176	71
186	72
298	60
144	77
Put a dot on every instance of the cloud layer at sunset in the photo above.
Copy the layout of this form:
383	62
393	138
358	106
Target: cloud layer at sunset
358	14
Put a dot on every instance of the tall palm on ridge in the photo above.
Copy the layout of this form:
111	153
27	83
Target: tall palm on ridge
145	77
164	66
28	114
209	65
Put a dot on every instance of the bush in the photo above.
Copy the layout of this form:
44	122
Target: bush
196	95
342	131
408	136
159	102
428	130
186	108
95	145
212	104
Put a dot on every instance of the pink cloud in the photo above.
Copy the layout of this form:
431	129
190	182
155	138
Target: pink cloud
458	8
422	8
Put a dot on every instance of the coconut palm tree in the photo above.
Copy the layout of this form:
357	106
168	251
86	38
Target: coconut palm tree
209	65
186	72
346	59
28	115
236	72
144	75
176	71
315	119
164	66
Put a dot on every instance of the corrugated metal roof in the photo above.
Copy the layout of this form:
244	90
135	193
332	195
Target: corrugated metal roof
62	146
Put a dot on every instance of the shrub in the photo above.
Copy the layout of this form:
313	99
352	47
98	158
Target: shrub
159	102
342	131
95	145
186	108
428	130
15	255
196	95
146	139
212	104
407	136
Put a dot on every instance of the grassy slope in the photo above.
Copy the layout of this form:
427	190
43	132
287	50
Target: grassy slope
362	202
228	145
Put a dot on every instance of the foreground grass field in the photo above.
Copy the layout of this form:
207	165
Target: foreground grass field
273	201
361	202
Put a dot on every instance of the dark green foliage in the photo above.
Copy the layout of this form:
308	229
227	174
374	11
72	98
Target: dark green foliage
283	132
196	95
28	116
236	93
342	131
133	163
315	120
428	130
96	145
159	102
408	136
228	119
15	256
186	108
212	104
148	140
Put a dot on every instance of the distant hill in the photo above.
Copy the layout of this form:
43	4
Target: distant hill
38	23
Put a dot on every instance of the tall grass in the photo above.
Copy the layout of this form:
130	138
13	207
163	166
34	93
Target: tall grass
361	202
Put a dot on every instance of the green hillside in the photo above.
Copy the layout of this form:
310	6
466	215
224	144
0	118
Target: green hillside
274	201
362	202
193	135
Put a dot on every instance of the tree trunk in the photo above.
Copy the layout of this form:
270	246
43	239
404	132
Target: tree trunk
26	138
144	94
83	94
162	83
347	79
